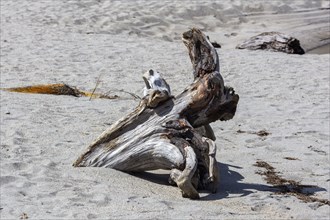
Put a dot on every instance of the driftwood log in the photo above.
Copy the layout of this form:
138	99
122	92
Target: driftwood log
172	133
273	41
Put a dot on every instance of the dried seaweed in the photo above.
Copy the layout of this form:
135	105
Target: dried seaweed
288	187
261	133
59	89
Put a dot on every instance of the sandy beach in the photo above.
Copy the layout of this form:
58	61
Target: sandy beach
78	42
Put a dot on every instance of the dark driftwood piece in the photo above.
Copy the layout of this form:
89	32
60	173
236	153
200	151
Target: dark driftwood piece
173	133
214	43
273	41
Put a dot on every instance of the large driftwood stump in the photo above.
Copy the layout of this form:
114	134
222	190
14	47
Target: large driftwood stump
173	133
273	41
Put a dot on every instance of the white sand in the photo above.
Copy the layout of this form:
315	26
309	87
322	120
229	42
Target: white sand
72	42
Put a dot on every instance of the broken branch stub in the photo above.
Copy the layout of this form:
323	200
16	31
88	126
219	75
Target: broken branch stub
170	133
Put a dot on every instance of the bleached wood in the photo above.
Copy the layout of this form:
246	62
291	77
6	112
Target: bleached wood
160	133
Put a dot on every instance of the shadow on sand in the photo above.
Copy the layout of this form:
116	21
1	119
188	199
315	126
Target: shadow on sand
230	183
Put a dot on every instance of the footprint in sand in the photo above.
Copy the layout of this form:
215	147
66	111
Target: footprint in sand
7	179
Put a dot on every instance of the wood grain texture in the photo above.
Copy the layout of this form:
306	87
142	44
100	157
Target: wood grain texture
172	133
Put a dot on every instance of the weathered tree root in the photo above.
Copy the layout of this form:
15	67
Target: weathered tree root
173	133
